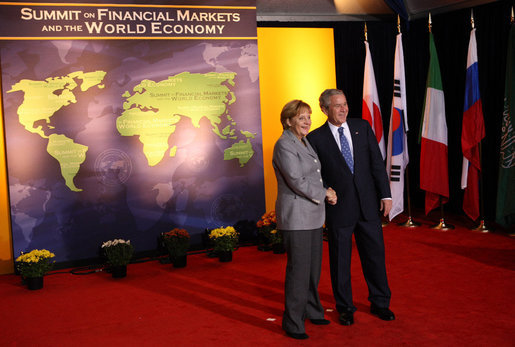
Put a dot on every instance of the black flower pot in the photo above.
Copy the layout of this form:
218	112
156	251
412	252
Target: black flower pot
34	283
180	261
119	271
278	248
225	256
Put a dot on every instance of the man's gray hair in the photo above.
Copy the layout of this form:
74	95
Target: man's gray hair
325	97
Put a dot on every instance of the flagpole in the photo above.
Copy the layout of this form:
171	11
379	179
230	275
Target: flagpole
442	225
482	226
409	223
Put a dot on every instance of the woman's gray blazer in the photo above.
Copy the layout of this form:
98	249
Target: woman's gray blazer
300	201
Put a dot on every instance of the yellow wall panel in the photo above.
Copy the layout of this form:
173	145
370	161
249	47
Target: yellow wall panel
6	256
294	63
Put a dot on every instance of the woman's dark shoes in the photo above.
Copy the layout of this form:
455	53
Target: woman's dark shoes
319	321
383	313
346	318
302	336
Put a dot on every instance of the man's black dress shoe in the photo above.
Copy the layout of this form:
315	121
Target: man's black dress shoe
302	336
383	313
320	321
346	318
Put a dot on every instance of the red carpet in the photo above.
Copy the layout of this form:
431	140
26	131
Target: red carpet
449	288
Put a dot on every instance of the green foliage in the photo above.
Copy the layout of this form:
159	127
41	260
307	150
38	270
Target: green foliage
177	242
36	263
224	238
267	226
118	252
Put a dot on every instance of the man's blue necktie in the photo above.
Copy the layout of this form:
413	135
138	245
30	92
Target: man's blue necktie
346	150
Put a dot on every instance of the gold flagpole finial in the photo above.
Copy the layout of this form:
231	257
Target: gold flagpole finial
398	24
366	34
429	22
472	18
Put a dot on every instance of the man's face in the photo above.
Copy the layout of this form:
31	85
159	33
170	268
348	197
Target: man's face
337	111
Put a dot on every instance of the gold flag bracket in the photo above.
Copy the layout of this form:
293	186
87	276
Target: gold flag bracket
410	223
443	226
481	227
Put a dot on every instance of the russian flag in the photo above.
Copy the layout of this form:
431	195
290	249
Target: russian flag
473	131
371	110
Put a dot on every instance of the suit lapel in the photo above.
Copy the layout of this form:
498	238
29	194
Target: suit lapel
308	150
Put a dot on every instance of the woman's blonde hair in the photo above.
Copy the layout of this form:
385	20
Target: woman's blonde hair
292	109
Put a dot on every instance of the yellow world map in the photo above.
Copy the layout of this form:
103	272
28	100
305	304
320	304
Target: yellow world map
42	99
151	112
154	108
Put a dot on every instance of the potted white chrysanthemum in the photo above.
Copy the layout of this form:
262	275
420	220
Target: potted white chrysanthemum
118	253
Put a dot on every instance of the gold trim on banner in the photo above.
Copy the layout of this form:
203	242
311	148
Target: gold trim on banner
125	5
126	38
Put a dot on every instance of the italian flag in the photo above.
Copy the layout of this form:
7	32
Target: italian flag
434	177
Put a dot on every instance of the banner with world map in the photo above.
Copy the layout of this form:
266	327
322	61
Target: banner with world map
125	121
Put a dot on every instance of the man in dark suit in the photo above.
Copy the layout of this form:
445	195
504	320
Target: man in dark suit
353	166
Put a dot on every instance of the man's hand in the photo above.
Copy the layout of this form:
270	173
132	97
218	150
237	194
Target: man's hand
386	206
330	196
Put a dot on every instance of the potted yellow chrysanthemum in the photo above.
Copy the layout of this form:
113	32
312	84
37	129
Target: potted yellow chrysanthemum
33	266
225	240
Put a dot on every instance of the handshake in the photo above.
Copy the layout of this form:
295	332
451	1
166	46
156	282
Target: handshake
330	196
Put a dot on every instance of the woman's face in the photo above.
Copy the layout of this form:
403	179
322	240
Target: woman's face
300	124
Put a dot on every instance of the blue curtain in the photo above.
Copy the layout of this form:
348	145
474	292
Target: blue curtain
398	7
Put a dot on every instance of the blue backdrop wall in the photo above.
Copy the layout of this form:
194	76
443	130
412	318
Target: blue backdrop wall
128	121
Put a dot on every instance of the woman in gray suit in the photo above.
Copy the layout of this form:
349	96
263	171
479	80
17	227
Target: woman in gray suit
300	209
